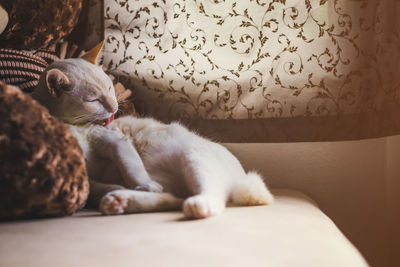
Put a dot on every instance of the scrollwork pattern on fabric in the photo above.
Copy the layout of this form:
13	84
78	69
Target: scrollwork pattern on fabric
255	59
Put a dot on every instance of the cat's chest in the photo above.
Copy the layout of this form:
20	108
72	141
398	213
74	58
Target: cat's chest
80	134
95	165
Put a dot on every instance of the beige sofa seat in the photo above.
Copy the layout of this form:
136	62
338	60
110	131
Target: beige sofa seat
291	232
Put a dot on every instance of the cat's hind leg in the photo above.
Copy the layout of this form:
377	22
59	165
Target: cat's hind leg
250	190
131	201
110	143
203	206
98	190
207	183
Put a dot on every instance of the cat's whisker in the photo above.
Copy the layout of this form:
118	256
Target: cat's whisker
83	118
129	99
122	102
78	118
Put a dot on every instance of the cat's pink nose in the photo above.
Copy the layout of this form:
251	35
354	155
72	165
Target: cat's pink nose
113	109
110	105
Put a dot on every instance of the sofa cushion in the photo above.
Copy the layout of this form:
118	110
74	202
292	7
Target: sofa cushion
291	232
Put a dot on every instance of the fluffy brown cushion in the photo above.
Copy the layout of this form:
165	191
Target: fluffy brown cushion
38	24
42	170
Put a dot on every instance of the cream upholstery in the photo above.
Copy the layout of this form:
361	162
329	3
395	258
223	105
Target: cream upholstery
292	232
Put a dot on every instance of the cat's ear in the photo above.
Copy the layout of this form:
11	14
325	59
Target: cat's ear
93	54
57	82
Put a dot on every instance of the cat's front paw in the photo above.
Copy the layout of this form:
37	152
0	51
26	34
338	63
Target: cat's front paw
150	187
105	134
113	204
202	206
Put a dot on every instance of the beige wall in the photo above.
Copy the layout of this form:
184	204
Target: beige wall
393	188
356	183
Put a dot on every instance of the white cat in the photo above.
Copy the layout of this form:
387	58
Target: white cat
165	166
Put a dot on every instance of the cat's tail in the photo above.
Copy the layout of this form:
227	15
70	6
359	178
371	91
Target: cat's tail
251	190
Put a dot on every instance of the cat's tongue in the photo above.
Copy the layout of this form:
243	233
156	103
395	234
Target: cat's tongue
107	121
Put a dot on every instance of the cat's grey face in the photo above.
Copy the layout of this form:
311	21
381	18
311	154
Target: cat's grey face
78	92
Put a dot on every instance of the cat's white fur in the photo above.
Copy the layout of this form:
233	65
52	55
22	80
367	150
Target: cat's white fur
202	172
165	166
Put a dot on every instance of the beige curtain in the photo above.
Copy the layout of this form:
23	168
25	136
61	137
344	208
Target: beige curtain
261	70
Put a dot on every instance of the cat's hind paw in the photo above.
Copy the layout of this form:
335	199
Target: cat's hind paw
113	204
202	206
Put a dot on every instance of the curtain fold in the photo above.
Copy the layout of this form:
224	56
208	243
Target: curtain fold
261	70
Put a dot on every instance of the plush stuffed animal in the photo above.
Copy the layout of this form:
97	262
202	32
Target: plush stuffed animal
37	24
42	170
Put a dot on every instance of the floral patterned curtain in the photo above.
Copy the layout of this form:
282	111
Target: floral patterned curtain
261	70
